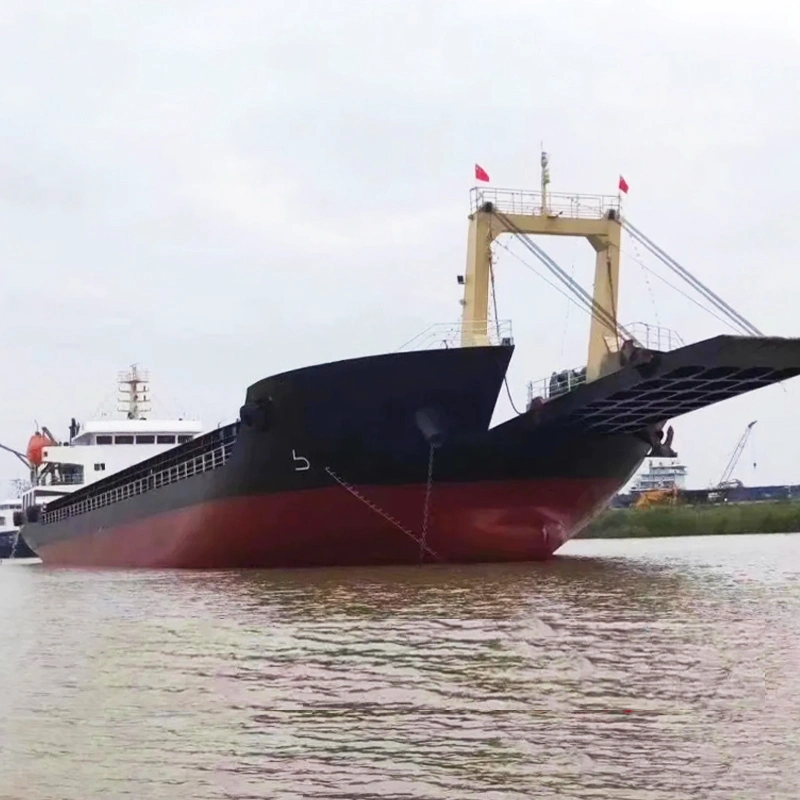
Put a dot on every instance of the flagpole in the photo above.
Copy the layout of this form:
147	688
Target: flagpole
622	188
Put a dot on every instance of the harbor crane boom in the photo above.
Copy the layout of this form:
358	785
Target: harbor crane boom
736	455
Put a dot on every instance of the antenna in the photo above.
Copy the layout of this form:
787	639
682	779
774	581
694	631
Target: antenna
545	161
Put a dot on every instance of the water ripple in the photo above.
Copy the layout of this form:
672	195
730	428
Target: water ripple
641	670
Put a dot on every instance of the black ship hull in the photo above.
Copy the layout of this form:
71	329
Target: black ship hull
390	460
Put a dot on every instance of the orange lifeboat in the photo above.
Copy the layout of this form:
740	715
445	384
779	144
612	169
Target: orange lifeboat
36	445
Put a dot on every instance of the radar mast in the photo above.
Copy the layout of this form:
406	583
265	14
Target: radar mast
134	388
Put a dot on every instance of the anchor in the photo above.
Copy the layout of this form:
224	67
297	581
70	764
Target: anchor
661	447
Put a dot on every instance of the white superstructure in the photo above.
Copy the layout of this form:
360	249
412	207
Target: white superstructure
661	475
99	448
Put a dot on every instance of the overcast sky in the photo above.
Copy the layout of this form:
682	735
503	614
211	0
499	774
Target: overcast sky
221	191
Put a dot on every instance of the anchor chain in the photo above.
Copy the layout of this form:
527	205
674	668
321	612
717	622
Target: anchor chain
424	547
426	509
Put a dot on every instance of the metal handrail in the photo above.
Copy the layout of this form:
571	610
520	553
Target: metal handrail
449	334
184	465
652	337
529	202
559	383
655	337
208	461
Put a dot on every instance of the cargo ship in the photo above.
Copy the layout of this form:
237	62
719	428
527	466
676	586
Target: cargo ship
393	458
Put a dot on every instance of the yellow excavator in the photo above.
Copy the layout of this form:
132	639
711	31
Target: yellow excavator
659	497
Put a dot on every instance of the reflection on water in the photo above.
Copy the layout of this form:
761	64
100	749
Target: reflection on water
647	669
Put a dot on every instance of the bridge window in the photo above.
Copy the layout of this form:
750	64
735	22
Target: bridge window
105	439
2	520
145	438
166	438
99	467
123	439
184	438
68	474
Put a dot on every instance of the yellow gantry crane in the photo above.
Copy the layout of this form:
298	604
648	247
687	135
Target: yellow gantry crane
592	217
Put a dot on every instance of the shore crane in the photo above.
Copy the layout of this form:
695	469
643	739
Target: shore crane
735	456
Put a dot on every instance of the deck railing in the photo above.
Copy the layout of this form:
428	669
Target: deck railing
449	334
529	203
652	337
164	472
655	337
557	384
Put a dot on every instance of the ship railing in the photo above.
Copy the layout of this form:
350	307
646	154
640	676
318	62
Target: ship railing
652	337
655	337
559	383
172	471
128	375
450	334
169	458
530	203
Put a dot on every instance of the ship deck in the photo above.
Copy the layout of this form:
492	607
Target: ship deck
680	381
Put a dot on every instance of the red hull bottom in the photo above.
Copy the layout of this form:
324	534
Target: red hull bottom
484	522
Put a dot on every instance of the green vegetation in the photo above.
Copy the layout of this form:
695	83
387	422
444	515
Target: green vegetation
681	520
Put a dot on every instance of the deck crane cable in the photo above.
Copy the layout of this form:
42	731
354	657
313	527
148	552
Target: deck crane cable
579	295
575	302
566	313
538	274
740	324
588	301
630	256
672	286
651	294
497	324
746	327
682	272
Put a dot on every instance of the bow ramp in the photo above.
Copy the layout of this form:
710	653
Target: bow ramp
658	386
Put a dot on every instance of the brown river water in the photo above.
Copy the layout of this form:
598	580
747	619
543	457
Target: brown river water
622	669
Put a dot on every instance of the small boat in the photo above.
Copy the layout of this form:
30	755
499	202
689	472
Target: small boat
13	549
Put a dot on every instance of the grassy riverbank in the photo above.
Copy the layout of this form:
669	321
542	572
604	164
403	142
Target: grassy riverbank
716	520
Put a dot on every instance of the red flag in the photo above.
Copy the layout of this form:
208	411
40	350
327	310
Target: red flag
623	185
481	174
